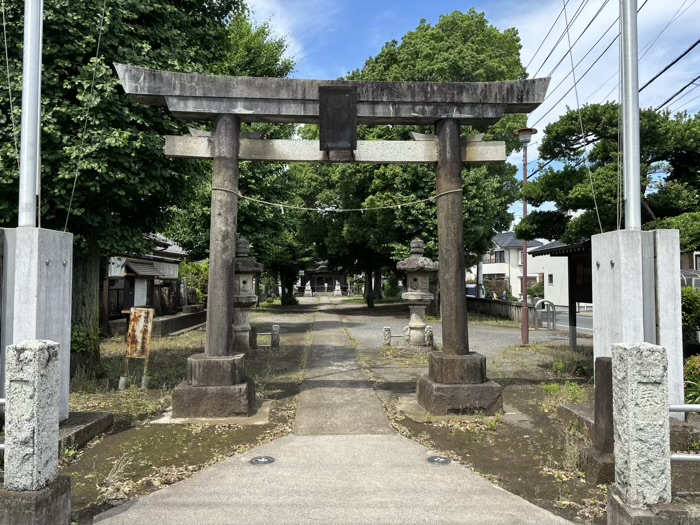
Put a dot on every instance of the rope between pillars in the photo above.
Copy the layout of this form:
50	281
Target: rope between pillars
332	209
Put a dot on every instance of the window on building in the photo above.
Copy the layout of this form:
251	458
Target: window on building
520	257
697	262
550	278
499	256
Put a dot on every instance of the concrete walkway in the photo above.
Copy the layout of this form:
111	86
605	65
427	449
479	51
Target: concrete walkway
343	465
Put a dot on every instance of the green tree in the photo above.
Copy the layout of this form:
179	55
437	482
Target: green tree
124	185
588	162
461	47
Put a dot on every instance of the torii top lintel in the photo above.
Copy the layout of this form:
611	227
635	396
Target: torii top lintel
203	97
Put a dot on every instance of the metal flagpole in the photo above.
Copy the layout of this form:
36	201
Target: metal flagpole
630	114
31	96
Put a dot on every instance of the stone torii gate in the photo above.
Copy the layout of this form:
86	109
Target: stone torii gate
217	385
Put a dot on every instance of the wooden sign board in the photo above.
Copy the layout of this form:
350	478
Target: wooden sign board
138	337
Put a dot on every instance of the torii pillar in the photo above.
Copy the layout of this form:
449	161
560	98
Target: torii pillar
456	380
216	384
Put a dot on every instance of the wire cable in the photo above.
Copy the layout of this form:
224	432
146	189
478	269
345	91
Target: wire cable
545	38
561	37
9	84
669	99
549	92
669	66
580	120
683	96
561	60
87	114
647	47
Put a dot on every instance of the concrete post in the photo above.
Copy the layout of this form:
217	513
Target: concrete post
603	433
387	336
642	434
450	219
33	493
31	419
37	284
275	338
222	240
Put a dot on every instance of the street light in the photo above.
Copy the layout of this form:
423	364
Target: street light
524	135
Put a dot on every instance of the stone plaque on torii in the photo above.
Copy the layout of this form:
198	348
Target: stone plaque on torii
229	101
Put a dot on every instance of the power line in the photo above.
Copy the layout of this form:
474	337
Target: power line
545	37
561	37
684	105
645	49
684	95
586	72
583	133
669	99
579	38
577	81
669	66
549	93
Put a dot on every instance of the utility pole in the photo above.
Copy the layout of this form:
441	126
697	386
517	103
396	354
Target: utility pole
524	135
30	163
630	114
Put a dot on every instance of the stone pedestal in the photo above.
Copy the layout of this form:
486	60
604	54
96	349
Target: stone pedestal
50	505
307	290
337	292
458	384
215	387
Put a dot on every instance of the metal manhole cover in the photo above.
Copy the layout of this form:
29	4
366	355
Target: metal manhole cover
438	460
262	460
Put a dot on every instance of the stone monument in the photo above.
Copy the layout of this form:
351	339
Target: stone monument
307	290
417	296
337	292
244	297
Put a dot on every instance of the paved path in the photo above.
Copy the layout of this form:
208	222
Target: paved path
343	465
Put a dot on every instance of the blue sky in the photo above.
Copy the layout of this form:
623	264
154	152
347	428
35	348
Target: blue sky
329	38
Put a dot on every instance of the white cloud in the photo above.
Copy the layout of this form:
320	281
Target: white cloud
302	23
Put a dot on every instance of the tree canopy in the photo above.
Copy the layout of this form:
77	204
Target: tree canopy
461	47
589	171
124	185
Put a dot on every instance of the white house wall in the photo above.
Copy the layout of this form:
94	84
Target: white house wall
558	268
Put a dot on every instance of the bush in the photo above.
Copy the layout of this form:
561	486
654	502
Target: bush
391	287
197	276
691	374
690	305
536	290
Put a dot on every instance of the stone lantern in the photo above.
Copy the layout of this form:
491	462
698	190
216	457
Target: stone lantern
417	294
244	297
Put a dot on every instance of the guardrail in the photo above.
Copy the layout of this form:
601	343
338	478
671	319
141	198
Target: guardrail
685	409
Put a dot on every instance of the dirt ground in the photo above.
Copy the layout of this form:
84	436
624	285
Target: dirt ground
526	450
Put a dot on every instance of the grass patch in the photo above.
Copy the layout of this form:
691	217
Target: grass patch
402	357
556	394
477	318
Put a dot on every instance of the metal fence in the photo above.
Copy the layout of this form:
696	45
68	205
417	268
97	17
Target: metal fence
685	409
